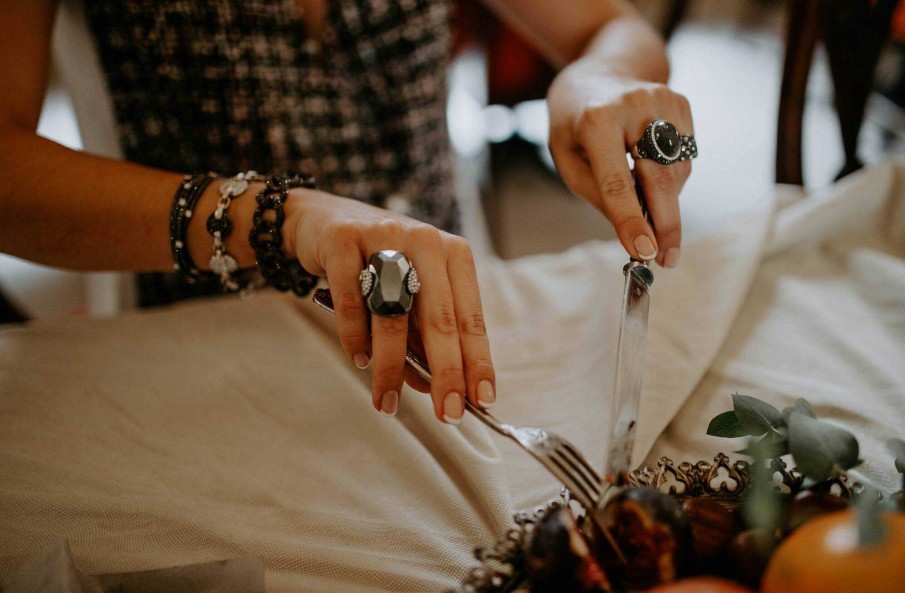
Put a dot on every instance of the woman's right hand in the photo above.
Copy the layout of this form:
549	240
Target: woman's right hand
334	237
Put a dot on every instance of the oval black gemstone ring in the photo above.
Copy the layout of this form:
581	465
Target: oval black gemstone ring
389	283
662	142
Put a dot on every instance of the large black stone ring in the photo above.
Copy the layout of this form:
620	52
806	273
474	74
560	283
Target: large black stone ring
662	142
389	283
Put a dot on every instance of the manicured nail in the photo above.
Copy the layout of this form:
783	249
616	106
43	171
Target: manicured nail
645	248
486	396
671	259
361	360
453	408
389	403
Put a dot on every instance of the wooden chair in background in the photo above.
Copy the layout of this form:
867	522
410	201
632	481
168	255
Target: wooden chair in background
853	32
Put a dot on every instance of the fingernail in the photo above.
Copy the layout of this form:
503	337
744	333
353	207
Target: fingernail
389	403
453	408
486	396
361	360
645	248
671	259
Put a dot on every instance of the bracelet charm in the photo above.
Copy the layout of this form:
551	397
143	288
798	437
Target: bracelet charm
220	226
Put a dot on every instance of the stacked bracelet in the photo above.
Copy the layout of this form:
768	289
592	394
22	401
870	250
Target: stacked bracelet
267	241
184	202
220	226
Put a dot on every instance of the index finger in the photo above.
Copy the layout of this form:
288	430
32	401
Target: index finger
619	202
473	340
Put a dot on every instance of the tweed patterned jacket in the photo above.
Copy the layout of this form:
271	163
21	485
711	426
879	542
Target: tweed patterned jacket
230	85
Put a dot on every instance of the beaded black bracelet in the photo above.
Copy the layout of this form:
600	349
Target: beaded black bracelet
184	202
266	238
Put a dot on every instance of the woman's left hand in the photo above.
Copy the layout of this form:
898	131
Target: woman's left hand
595	119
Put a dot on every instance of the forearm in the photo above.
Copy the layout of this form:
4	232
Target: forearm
627	46
75	210
608	35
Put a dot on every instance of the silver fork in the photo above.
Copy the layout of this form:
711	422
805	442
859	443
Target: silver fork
555	453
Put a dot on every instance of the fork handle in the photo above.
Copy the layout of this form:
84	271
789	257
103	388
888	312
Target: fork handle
324	299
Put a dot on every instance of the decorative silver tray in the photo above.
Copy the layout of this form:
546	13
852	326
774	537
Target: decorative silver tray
501	567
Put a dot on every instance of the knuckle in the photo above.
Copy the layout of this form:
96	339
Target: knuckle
390	227
394	327
346	232
388	375
348	304
450	374
615	184
593	119
585	187
459	247
473	325
683	103
353	342
425	235
671	229
443	321
664	177
638	97
661	92
627	221
481	367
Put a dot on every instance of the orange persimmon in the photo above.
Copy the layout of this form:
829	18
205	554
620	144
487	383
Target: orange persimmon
825	556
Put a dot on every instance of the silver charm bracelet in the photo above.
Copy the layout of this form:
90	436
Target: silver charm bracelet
220	226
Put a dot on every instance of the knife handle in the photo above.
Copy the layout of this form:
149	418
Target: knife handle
642	200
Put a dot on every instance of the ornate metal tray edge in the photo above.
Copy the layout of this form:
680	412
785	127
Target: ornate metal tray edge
501	567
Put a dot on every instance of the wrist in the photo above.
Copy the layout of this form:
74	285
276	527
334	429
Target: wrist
274	248
591	66
299	202
628	48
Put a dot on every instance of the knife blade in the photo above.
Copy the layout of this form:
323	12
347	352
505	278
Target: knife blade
627	390
629	371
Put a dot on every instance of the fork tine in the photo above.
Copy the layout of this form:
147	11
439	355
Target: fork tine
592	488
580	459
567	477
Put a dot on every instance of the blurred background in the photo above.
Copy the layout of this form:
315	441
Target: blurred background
775	87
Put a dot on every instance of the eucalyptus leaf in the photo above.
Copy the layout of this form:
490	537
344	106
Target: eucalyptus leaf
804	406
769	446
726	425
801	405
897	448
756	417
819	447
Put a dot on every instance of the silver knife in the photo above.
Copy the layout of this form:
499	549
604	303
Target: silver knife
629	366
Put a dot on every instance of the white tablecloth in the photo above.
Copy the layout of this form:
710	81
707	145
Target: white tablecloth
238	428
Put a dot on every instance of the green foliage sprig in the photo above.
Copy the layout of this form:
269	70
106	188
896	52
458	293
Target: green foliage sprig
820	449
